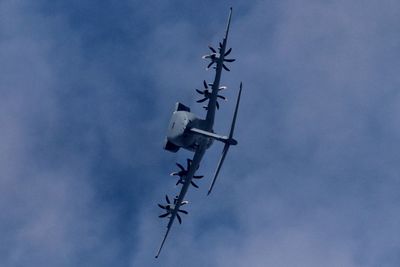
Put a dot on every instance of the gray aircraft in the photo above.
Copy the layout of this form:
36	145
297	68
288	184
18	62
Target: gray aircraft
189	132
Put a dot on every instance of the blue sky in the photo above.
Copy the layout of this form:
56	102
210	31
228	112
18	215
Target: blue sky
87	90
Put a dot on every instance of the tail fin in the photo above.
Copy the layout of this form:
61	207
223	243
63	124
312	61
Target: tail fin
227	144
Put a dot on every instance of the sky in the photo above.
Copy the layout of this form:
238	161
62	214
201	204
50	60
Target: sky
87	89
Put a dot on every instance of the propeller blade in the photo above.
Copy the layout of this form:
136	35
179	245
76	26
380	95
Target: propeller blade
229	60
195	185
220	45
161	206
198	176
225	67
209	65
183	211
222	97
212	49
167	199
200	92
222	88
217	104
163	215
179	218
174	174
180	166
228	52
201	100
205	84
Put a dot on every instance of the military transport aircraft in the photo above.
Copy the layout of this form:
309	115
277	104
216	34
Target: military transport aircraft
189	132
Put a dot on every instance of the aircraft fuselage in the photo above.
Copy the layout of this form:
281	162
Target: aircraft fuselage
179	134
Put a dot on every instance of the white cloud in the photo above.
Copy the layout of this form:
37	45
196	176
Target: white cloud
312	183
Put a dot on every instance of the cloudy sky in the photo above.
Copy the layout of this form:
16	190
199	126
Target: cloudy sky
86	92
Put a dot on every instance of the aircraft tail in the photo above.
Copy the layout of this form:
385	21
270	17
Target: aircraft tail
227	144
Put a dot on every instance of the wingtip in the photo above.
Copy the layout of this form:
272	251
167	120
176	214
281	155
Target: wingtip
229	23
158	254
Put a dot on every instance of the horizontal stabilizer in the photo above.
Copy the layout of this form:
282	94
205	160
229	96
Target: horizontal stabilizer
227	144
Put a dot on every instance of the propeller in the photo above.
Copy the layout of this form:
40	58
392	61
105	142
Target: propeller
207	94
227	59
183	173
170	207
214	56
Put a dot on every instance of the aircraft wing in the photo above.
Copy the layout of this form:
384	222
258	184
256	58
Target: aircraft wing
219	60
178	201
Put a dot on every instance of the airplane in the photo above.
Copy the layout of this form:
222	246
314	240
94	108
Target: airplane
187	131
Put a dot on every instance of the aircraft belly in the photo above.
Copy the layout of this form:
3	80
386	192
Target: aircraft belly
196	140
